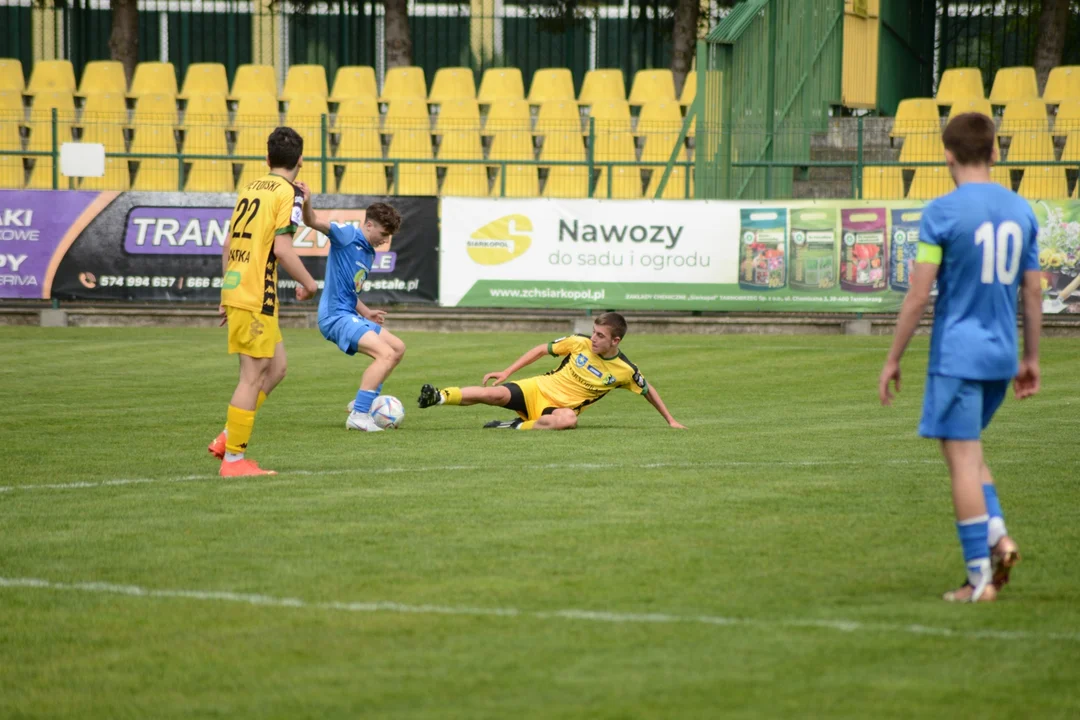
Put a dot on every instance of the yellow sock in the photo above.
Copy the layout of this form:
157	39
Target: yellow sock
451	396
260	401
238	430
527	425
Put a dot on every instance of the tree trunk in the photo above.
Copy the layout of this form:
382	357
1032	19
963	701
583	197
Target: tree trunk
684	40
1050	42
124	40
398	39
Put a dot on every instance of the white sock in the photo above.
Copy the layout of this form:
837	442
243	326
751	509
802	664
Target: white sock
978	572
996	530
233	457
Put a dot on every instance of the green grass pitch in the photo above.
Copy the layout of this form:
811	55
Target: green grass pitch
784	557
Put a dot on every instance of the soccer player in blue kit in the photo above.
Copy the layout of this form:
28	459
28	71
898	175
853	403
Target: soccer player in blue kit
343	318
979	243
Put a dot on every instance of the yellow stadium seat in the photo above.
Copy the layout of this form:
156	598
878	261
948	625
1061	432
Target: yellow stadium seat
501	84
257	110
41	176
1071	153
406	114
675	189
415	179
250	172
1012	84
306	110
205	79
466	181
459	114
652	86
1044	183
551	84
51	76
625	183
41	118
659	117
12	173
452	83
1002	176
358	112
205	141
116	177
930	183
156	140
11	105
971	105
105	109
882	183
360	143
305	81
922	148
512	146
103	76
251	141
522	181
615	146
461	145
601	85
11	76
210	176
10	140
311	173
689	89
658	147
157	175
206	110
354	81
558	116
916	115
410	145
567	181
1067	118
154	109
1063	84
610	116
404	83
153	78
565	147
508	116
958	84
1024	116
363	179
1031	147
108	134
254	80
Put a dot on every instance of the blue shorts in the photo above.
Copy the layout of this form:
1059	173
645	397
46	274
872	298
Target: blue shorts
958	409
345	331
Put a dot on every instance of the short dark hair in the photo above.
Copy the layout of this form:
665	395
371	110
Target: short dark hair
385	215
614	321
970	138
284	148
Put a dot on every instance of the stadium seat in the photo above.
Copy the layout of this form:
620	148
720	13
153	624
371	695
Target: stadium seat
652	86
461	145
1031	147
11	76
959	84
1012	84
459	114
1024	116
916	115
615	146
567	181
675	189
1062	85
689	89
311	173
466	181
51	76
41	176
12	174
501	84
625	183
205	141
522	181
157	175
551	84
558	116
882	183
156	140
513	146
508	116
363	179
601	85
404	83
1071	153
358	112
206	110
415	179
153	78
251	171
971	105
41	118
303	81
361	143
306	110
564	146
407	114
658	147
1002	176
105	133
930	183
210	176
154	109
659	117
257	110
11	106
410	145
1067	118
117	177
205	79
254	80
1044	182
108	107
610	116
103	76
922	148
354	81
452	83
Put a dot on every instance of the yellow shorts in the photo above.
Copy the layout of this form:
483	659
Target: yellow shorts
527	400
252	334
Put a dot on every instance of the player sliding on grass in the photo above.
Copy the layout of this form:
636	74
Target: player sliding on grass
590	369
979	243
343	318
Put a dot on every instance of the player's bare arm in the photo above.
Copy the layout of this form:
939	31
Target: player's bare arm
1027	379
288	259
657	402
309	212
498	378
922	283
376	316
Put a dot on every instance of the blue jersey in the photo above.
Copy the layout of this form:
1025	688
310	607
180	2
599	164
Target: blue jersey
347	268
988	237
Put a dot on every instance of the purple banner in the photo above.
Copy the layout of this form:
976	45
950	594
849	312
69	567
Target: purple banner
32	225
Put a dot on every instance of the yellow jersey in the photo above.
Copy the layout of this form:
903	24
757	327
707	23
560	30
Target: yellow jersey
266	208
583	377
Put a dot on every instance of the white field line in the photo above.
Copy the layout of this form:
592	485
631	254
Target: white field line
846	626
718	465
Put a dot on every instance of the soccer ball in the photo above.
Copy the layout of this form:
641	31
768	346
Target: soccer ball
388	412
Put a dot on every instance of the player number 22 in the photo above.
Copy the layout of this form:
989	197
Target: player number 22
996	251
241	210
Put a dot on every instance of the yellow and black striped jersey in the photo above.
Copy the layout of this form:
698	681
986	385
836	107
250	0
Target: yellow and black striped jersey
583	377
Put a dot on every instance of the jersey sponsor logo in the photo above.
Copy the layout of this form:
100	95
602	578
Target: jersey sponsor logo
580	360
232	280
500	241
359	278
595	371
610	379
240	256
639	380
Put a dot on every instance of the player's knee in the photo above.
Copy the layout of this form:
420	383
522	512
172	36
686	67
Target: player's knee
565	418
399	352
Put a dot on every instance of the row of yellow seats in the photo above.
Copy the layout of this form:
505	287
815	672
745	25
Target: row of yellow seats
920	115
1037	183
1023	147
1010	84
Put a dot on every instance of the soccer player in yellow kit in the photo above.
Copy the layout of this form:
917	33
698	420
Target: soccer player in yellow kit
591	367
260	236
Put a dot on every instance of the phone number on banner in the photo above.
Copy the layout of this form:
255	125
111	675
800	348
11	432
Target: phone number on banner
158	281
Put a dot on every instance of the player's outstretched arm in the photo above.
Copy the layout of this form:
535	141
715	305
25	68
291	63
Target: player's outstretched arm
309	212
527	359
657	402
1026	383
286	255
922	282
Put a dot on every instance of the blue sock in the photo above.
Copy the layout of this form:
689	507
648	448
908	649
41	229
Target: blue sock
378	390
993	507
363	401
973	538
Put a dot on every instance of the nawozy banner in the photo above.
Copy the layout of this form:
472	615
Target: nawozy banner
154	246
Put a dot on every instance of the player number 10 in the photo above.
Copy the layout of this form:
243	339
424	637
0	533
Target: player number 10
996	255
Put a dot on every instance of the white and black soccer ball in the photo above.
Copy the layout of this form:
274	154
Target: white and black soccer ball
388	412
